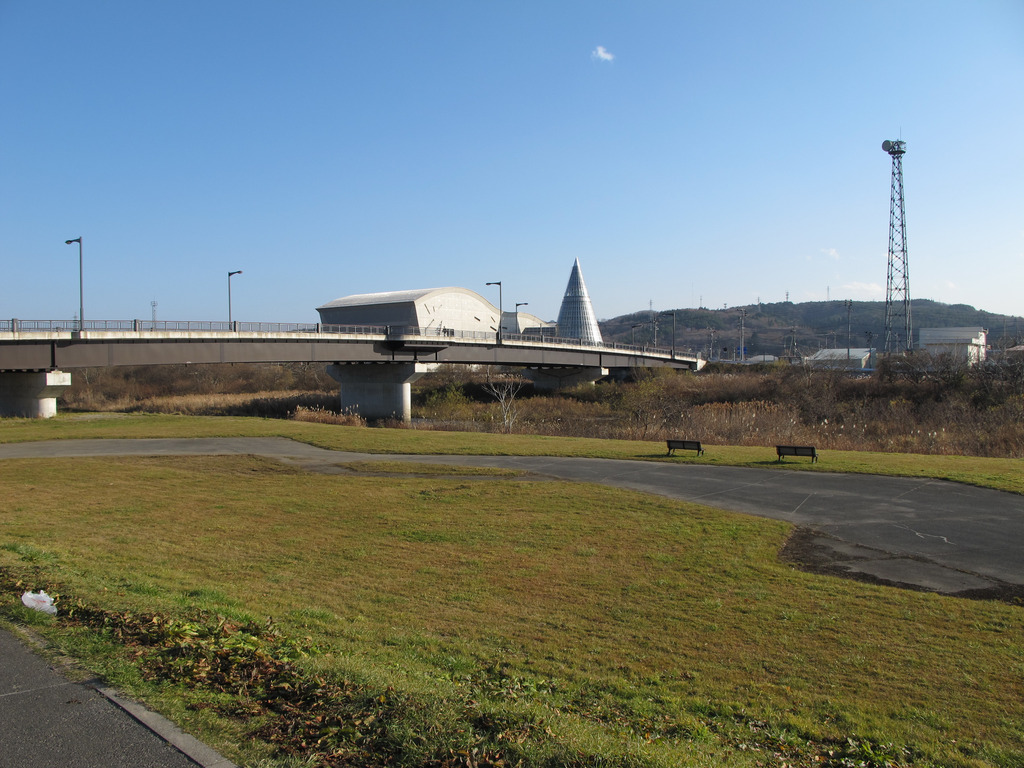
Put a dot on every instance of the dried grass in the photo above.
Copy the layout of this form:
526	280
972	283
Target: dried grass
956	412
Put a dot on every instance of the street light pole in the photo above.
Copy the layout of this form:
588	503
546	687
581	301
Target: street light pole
743	349
673	332
518	305
81	284
236	272
500	310
849	307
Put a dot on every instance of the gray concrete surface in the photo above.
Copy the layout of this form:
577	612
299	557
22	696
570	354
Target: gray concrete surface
50	721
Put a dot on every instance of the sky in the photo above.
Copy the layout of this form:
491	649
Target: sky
687	153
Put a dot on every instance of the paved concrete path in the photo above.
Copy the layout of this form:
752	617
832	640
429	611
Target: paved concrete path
48	720
928	534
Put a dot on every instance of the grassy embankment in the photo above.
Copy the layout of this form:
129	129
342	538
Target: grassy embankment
553	623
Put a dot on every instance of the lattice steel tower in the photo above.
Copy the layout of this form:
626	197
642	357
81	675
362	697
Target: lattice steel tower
898	327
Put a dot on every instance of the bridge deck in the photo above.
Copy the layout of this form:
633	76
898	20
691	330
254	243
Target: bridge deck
49	345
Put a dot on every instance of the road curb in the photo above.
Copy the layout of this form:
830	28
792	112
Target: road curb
69	670
188	745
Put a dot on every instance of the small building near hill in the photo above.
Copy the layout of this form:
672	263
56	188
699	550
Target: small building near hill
965	344
856	359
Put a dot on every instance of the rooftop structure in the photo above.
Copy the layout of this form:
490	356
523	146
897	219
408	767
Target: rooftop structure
576	318
524	322
430	308
968	343
841	358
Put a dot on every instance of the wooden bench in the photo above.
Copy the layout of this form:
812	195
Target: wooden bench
685	445
796	450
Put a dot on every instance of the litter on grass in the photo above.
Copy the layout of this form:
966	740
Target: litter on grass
40	601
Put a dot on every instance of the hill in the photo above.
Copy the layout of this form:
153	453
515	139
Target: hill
785	328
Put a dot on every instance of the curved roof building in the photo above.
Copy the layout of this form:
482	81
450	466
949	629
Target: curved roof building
576	318
433	308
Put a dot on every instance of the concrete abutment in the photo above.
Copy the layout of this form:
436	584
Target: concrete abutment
32	394
378	390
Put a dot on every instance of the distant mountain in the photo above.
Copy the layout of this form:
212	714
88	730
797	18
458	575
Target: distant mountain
774	329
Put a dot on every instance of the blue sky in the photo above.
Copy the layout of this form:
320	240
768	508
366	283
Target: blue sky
686	153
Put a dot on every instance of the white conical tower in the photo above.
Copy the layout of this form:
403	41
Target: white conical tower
576	317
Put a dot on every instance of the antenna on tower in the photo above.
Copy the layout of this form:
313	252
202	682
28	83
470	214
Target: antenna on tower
897	286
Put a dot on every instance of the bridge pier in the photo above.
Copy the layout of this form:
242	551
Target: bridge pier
550	379
31	394
378	390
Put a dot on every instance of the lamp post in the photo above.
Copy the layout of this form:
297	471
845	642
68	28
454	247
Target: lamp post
743	348
236	272
500	311
849	308
673	332
518	305
632	332
81	285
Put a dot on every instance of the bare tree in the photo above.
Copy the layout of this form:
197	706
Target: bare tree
505	387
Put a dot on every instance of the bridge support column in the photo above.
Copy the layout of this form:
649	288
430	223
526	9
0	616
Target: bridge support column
550	379
378	390
31	395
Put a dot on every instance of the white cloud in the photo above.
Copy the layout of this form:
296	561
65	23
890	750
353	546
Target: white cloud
865	291
602	54
832	253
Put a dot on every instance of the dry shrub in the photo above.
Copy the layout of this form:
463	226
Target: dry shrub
910	405
752	423
320	415
554	415
118	387
270	405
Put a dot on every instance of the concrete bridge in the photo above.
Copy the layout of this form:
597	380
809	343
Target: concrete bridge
374	365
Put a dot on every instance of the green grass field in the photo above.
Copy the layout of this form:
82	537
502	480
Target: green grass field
454	618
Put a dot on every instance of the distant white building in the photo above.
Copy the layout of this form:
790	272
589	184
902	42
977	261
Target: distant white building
963	343
857	359
525	323
432	310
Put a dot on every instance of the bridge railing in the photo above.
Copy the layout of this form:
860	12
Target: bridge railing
16	325
392	331
387	331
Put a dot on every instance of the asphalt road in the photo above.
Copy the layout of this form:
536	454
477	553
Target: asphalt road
918	533
48	720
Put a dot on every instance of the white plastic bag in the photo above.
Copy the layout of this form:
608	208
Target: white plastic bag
40	601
